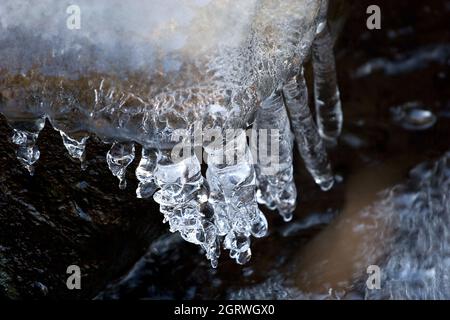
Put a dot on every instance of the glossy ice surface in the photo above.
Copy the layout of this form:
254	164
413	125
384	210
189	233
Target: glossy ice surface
134	73
148	66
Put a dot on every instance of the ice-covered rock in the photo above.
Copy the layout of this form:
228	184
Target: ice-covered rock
137	73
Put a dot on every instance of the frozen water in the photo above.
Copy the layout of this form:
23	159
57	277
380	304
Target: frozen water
233	198
25	136
150	67
276	187
181	187
144	173
75	148
309	142
119	157
27	151
134	74
326	91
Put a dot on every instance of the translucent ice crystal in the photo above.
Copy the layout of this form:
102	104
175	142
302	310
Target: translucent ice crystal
276	187
25	136
119	157
309	142
76	148
145	173
326	91
233	197
182	201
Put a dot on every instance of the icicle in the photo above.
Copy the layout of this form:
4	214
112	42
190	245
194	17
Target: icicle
274	171
76	148
309	142
326	91
119	157
144	173
25	136
232	196
182	200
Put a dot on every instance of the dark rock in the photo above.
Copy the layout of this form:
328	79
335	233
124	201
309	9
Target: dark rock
64	216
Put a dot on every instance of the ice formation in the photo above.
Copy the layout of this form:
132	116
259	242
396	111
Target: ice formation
144	173
276	189
25	136
326	91
119	157
134	74
233	198
309	142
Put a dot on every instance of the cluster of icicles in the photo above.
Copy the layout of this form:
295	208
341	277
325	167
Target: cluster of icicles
222	208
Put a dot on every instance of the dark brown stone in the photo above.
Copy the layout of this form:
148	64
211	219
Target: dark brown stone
63	216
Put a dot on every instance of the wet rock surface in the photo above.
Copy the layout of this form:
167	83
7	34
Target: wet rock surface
64	216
